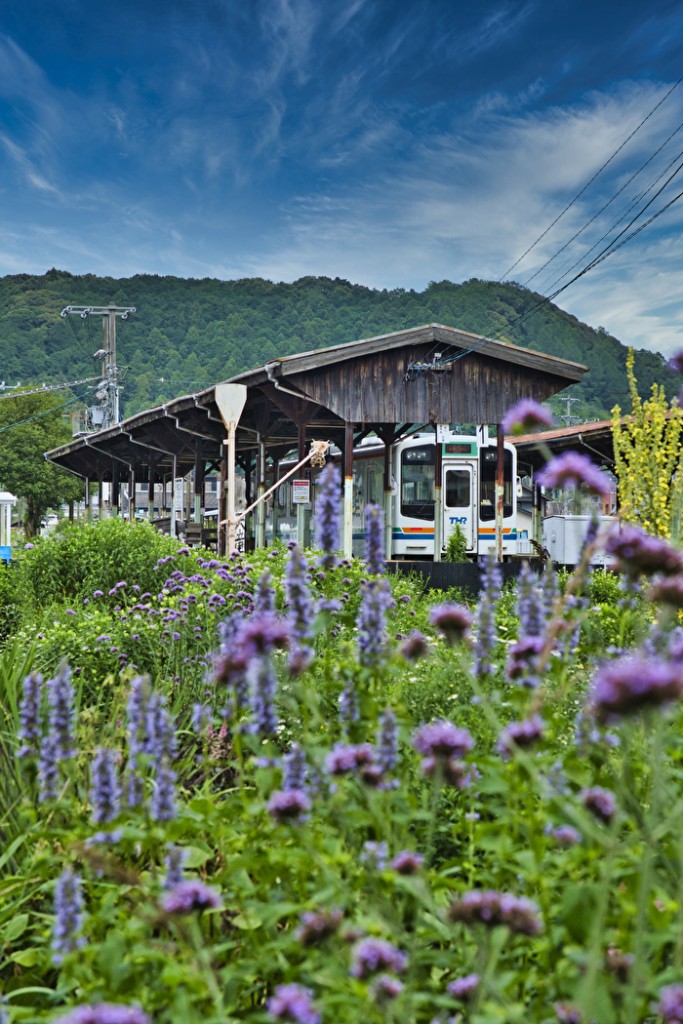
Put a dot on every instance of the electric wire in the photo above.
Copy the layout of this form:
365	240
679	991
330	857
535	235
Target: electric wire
43	412
606	205
592	179
641	195
45	388
609	250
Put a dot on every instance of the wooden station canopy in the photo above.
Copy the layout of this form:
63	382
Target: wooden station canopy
593	439
430	374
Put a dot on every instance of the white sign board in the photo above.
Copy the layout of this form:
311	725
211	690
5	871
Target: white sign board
301	492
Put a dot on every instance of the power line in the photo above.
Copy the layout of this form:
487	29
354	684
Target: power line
43	412
609	203
590	182
48	387
607	251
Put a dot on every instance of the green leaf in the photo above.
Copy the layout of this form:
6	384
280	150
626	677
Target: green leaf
28	957
16	927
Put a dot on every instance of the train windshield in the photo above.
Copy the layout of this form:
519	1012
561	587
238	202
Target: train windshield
488	461
417	482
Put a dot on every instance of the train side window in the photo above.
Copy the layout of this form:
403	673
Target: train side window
488	461
417	482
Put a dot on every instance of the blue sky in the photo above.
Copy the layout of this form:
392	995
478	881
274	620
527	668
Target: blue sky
388	142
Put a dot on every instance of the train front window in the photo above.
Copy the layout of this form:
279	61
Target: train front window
417	482
488	462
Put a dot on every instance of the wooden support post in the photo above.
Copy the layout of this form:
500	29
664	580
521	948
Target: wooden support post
260	532
536	514
300	509
150	489
115	490
172	523
347	522
221	540
131	495
388	496
198	489
438	494
500	464
231	530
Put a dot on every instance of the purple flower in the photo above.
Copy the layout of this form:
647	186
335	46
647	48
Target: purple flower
407	863
490	908
293	1003
191	895
453	620
374	854
173	862
386	986
162	804
464	988
565	836
260	634
567	1014
48	769
387	741
374	539
344	759
491	580
523	659
372	955
525	416
105	1013
442	739
264	597
630	684
294	768
570	469
414	646
670	1005
638	552
289	805
600	802
68	916
317	925
263	689
676	361
300	609
61	714
668	591
372	637
520	734
530	603
327	517
29	715
105	792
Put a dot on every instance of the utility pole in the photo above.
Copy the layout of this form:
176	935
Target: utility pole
107	413
567	417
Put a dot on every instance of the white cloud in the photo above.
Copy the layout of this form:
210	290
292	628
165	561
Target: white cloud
467	206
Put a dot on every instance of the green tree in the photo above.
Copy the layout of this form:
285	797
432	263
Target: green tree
30	425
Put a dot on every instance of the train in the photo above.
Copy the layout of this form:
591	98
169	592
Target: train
468	478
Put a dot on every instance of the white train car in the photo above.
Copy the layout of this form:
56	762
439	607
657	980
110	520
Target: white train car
468	481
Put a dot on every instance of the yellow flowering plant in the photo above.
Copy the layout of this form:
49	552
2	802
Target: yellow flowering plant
647	459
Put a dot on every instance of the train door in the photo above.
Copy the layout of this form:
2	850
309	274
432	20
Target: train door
458	489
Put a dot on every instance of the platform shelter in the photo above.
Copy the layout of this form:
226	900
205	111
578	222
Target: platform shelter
388	385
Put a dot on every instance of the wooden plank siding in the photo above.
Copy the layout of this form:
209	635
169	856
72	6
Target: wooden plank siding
374	389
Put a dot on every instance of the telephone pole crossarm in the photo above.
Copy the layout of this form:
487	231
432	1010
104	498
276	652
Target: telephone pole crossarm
109	411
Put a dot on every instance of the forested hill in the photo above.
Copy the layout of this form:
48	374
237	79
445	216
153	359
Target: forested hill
188	334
